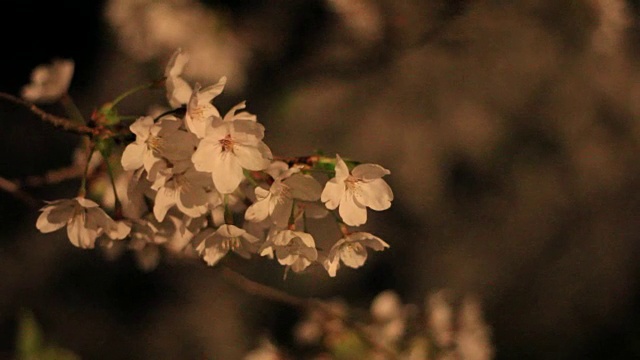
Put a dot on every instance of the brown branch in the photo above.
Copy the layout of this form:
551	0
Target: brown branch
57	121
267	292
14	189
53	176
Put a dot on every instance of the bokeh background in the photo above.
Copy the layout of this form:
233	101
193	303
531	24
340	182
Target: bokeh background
511	129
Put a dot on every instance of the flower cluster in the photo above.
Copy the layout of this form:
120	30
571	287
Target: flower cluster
449	327
200	182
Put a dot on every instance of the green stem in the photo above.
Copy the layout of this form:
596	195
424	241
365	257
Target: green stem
228	215
83	184
131	92
72	109
250	178
118	209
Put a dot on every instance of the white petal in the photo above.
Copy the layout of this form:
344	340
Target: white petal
375	194
369	240
353	256
165	199
84	202
132	157
141	128
230	231
45	226
178	91
350	212
176	63
250	157
304	187
79	234
332	264
207	94
243	115
332	193
369	171
207	150
342	171
258	211
226	172
282	212
213	254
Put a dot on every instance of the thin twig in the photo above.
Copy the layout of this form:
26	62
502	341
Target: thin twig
267	292
57	121
14	189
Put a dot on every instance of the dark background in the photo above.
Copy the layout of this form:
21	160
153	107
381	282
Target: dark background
511	131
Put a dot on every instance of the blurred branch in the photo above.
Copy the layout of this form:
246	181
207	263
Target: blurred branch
14	189
57	121
254	288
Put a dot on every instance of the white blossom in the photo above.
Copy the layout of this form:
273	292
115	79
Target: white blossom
296	249
178	90
84	219
354	192
155	141
352	251
277	202
200	110
228	148
186	189
214	245
49	82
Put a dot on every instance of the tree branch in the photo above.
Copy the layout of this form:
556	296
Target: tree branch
57	121
14	189
254	288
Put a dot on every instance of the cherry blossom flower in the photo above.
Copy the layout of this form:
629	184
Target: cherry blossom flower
213	245
178	90
49	82
200	110
84	219
354	192
228	148
277	202
186	188
157	140
296	249
351	250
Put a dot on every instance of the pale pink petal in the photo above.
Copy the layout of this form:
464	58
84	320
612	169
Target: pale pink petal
45	226
350	212
176	63
203	157
369	240
332	264
258	211
133	155
213	254
304	187
165	199
375	194
342	171
207	94
369	171
178	91
282	212
332	193
231	115
84	202
230	231
250	157
353	256
141	128
226	172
